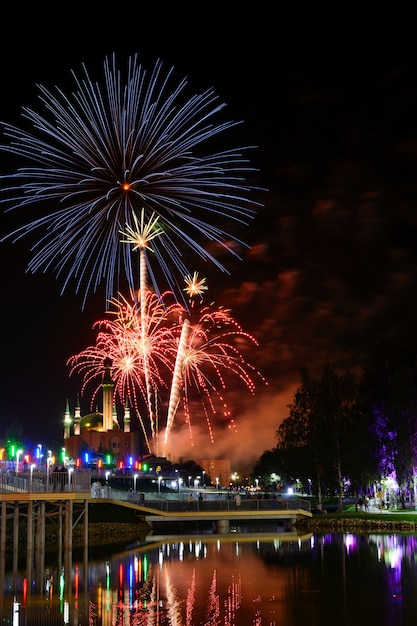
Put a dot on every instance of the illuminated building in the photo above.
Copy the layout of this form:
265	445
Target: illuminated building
100	432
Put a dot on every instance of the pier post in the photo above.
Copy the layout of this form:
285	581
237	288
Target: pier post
3	529
223	526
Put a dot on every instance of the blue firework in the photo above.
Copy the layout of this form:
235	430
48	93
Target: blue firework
105	153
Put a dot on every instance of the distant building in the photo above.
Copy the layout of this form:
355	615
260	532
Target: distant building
219	471
98	432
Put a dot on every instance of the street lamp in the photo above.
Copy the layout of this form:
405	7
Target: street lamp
204	473
48	468
217	483
189	482
159	484
179	484
18	453
70	470
32	467
135	477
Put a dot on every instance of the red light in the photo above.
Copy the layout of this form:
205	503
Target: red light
25	590
78	463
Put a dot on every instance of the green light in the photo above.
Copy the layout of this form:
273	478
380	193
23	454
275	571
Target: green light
145	566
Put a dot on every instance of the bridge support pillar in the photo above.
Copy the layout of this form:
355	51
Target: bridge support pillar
223	526
289	524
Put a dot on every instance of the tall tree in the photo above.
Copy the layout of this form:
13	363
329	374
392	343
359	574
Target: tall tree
299	434
317	425
389	384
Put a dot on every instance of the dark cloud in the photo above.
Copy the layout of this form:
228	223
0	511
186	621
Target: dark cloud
332	266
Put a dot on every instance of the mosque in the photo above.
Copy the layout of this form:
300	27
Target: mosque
100	433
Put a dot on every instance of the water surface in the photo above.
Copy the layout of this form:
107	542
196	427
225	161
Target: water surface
234	579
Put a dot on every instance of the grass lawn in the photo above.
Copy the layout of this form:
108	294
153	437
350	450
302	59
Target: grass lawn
349	512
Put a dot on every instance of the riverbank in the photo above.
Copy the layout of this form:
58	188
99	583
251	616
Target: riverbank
404	521
108	525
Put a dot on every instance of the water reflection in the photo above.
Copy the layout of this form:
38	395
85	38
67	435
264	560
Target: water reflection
230	579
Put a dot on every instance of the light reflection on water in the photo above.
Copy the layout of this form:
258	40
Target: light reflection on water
235	579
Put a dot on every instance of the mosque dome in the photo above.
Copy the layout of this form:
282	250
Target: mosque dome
94	421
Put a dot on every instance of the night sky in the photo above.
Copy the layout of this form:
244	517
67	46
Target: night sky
332	267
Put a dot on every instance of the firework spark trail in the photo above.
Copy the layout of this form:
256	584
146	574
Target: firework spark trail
107	150
184	355
210	355
140	237
175	394
120	339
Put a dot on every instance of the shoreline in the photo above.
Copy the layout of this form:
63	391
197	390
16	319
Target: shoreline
329	523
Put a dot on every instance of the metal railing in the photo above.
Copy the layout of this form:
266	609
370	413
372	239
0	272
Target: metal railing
45	482
80	481
217	504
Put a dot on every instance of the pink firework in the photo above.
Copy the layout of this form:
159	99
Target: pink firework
131	343
163	356
208	354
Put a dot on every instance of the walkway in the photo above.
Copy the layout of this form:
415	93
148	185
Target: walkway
216	510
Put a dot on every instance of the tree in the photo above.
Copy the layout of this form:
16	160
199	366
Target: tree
268	464
298	434
389	391
317	427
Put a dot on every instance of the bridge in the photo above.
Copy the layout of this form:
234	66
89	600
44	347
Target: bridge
28	495
219	511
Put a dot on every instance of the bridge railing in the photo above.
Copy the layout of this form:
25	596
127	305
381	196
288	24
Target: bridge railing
44	482
250	504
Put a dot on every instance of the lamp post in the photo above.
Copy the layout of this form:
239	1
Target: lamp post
18	453
32	467
217	483
204	474
48	468
189	482
159	484
179	484
70	470
135	477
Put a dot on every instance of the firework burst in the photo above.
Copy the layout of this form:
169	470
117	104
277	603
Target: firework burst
208	355
132	354
102	154
181	357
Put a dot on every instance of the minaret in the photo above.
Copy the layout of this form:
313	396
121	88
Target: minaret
77	417
107	386
67	421
115	420
126	418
